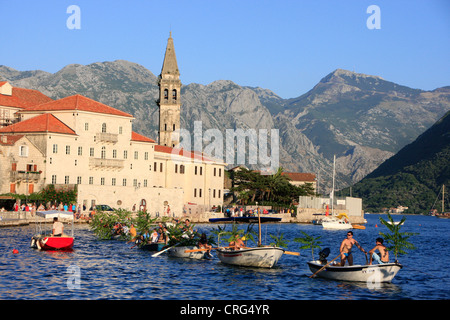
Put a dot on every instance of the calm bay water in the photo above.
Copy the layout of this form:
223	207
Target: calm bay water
114	270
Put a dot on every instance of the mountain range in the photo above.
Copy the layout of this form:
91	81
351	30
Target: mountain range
414	176
362	119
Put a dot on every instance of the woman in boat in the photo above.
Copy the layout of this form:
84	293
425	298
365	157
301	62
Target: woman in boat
203	244
382	250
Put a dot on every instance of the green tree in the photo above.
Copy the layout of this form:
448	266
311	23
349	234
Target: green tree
397	241
309	242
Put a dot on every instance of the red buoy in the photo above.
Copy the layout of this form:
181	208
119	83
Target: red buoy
15	251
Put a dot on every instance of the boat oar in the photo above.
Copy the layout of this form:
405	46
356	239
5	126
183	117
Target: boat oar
198	250
292	253
159	252
325	266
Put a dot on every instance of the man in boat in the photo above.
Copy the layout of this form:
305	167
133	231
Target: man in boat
346	249
237	244
58	228
382	250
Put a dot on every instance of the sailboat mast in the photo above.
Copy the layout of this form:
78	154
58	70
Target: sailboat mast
443	197
332	191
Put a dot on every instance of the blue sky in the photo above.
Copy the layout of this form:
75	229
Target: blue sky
286	46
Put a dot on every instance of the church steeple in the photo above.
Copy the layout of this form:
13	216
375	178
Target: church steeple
170	65
169	97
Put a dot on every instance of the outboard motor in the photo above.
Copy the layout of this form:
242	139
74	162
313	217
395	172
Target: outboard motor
323	255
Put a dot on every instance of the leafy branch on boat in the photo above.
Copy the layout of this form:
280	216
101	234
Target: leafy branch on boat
397	241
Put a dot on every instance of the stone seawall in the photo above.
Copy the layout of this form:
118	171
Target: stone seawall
304	215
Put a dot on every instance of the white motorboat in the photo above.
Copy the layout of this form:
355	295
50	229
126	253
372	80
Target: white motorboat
377	273
261	257
180	252
339	222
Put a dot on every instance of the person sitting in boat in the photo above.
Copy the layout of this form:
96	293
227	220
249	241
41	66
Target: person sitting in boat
154	237
382	250
203	244
237	244
346	249
58	228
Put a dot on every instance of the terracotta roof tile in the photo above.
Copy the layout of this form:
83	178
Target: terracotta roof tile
9	140
43	123
23	98
300	176
181	152
78	102
138	137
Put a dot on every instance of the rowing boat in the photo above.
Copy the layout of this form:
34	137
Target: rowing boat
180	252
261	257
359	273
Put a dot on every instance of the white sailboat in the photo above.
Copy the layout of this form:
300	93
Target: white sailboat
339	222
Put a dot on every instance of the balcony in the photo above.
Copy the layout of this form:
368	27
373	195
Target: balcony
16	176
106	163
107	137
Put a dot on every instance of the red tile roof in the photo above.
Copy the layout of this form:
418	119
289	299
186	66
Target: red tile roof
181	152
138	137
43	123
78	102
23	98
299	176
10	139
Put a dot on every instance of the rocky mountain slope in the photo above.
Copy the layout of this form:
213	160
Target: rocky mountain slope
413	176
362	119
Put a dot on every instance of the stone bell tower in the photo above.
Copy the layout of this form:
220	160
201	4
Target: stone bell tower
169	98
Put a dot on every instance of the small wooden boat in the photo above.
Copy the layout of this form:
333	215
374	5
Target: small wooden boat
153	246
180	252
261	257
377	273
45	241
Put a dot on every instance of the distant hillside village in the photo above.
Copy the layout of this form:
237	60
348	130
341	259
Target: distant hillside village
79	145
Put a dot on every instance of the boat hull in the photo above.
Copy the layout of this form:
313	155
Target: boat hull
357	273
260	257
153	246
336	225
52	243
179	252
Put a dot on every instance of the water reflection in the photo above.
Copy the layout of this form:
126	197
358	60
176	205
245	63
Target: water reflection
113	270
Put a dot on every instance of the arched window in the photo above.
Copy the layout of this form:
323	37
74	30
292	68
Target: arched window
104	127
166	94
174	94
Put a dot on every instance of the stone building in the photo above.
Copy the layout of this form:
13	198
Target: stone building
79	141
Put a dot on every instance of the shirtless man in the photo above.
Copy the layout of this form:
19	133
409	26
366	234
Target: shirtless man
382	250
237	244
346	249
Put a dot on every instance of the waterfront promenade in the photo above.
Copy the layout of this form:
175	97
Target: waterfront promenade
20	218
